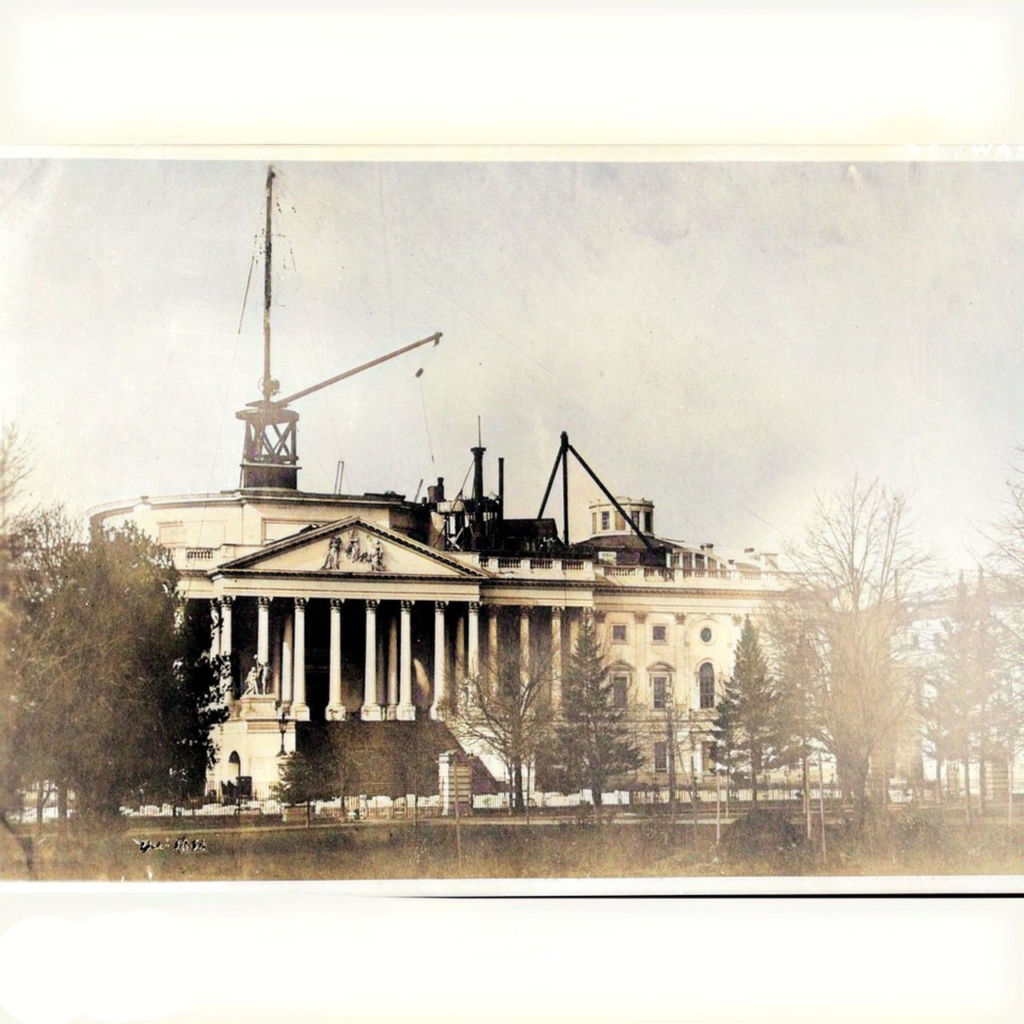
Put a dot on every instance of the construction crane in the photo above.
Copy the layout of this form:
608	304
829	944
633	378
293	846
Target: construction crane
269	453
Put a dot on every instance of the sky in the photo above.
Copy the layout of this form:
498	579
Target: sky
728	340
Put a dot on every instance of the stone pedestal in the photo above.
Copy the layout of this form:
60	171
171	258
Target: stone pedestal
258	707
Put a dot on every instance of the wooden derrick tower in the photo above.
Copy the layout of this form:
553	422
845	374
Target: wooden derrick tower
269	452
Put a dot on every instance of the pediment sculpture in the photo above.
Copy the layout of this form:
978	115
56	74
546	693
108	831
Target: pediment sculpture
351	551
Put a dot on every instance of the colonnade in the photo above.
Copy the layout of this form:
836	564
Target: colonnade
394	645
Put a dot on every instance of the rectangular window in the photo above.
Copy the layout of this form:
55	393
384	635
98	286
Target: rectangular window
660	691
606	520
620	691
618	634
647	522
620	523
661	757
708	758
659	634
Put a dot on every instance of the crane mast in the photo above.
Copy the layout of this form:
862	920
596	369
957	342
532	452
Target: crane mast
269	451
268	384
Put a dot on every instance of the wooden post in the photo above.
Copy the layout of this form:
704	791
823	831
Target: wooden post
718	809
1009	790
807	794
458	831
821	805
693	790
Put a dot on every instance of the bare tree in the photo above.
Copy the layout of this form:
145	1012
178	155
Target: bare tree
1005	540
14	468
506	708
847	619
1006	537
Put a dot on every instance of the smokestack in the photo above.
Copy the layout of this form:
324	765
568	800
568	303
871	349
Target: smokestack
478	472
478	490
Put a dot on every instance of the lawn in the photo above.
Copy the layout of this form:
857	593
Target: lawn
928	843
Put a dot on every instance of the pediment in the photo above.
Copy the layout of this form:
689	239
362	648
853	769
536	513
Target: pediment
350	547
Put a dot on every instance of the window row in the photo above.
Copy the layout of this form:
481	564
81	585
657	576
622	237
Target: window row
602	521
659	633
661	688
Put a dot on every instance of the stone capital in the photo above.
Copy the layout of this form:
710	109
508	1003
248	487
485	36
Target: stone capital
336	603
407	605
264	601
371	604
439	607
300	602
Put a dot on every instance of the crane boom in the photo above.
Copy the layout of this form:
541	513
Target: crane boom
435	338
270	457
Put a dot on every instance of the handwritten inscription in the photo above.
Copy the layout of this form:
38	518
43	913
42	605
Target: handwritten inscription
180	845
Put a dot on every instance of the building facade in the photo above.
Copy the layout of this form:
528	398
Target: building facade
375	608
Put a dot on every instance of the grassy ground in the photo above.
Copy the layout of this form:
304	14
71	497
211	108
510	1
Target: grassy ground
930	843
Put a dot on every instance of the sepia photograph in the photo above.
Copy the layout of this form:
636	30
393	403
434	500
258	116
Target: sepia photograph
510	513
511	519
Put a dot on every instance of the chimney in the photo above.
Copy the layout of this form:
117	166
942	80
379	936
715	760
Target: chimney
478	489
501	488
436	494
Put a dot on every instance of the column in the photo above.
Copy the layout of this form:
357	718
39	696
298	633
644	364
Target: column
492	641
473	655
406	708
215	627
225	626
370	711
263	630
300	711
640	640
440	701
681	680
574	628
556	657
460	650
392	668
287	632
335	709
524	642
226	644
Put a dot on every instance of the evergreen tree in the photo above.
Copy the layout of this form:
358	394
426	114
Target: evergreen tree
752	732
593	741
318	771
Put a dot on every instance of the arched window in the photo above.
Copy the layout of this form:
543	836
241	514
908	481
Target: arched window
706	676
236	762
